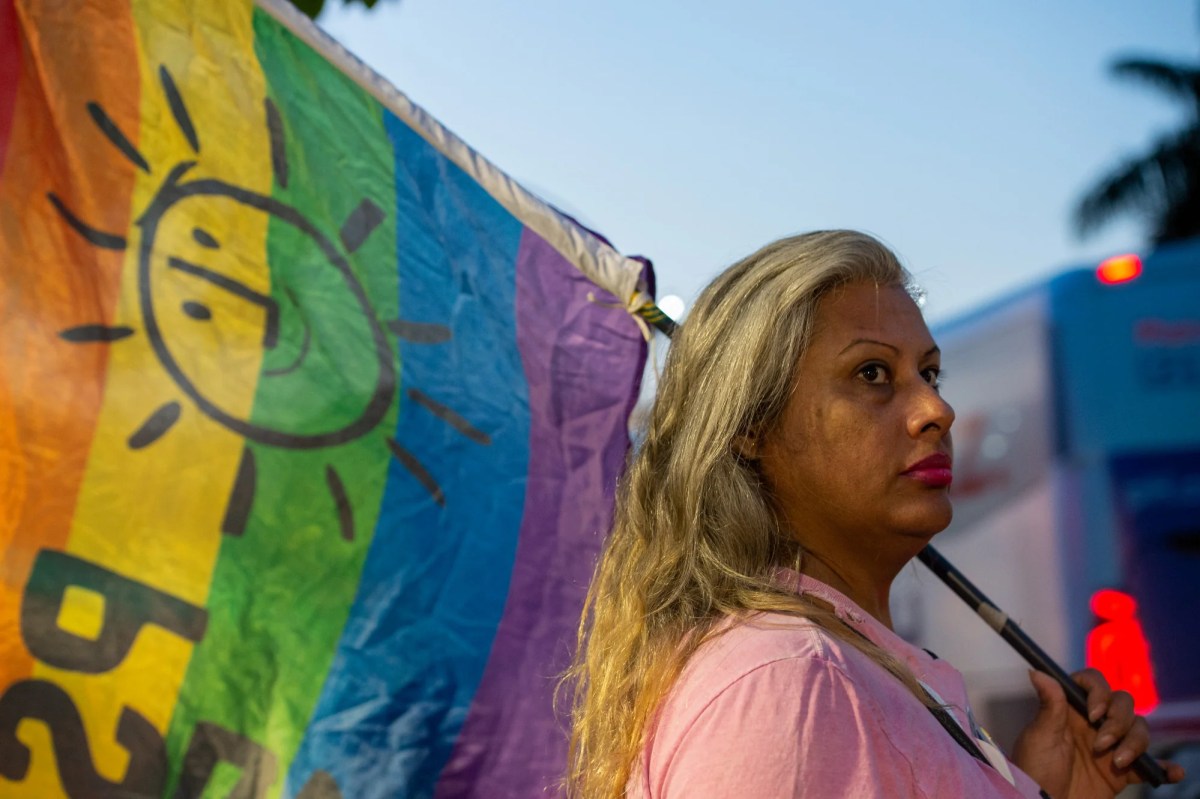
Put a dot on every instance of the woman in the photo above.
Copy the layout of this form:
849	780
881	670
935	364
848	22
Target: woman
737	640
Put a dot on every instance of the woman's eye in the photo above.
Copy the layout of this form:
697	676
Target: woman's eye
933	376
873	373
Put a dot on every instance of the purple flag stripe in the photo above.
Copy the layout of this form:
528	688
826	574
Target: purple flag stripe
576	354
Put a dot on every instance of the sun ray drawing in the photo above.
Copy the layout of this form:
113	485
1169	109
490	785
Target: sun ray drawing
291	318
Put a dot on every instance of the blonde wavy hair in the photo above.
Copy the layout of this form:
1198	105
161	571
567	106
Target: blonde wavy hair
695	537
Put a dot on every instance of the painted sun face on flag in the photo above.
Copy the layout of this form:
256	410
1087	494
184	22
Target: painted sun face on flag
306	324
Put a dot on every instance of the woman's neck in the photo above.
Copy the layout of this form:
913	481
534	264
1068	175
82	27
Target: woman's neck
870	592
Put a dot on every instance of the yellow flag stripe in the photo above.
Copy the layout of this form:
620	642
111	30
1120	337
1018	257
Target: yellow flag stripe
160	471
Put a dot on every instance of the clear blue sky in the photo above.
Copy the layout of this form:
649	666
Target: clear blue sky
692	132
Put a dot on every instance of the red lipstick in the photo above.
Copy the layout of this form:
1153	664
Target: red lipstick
933	471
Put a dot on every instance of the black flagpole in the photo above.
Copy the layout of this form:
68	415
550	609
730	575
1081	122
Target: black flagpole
1145	766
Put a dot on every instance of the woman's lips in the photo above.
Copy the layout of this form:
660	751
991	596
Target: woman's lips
933	471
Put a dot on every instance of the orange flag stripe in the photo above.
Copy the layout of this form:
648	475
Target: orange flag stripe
58	279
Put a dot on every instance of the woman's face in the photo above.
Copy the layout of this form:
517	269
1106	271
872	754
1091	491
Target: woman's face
859	463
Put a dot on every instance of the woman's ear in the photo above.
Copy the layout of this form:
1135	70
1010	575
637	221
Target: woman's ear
745	446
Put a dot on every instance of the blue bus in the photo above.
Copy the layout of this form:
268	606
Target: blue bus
1077	472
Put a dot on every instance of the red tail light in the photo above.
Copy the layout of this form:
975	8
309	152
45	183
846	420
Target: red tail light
1117	647
1119	269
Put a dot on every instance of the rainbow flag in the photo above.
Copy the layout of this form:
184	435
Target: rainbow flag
310	421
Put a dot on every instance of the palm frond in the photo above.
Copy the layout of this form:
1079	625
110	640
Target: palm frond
1147	185
1181	81
1160	186
1124	189
1180	218
1182	222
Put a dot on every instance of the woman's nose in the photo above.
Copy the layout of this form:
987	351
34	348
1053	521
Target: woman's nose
930	412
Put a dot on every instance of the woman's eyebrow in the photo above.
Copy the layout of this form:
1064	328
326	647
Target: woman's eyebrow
931	351
858	341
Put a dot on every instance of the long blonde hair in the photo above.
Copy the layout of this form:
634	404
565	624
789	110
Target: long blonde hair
695	537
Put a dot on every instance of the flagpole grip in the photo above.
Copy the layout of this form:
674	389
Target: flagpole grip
1145	766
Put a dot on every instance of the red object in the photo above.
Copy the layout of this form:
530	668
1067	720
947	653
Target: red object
1117	647
1119	269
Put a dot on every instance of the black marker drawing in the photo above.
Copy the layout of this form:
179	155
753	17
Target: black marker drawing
286	317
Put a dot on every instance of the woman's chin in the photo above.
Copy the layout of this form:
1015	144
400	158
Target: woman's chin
928	520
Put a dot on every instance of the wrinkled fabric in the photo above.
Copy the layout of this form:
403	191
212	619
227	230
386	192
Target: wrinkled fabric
311	421
777	707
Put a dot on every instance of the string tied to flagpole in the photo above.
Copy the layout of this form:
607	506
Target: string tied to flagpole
642	308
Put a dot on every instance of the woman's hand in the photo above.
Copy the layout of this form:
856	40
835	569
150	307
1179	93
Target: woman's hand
1069	759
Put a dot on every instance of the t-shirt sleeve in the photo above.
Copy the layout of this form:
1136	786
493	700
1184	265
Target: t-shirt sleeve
788	729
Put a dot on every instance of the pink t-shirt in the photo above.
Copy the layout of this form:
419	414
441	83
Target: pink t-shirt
777	707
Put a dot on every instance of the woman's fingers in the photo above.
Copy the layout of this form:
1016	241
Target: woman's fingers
1098	692
1135	742
1119	721
1175	772
1120	726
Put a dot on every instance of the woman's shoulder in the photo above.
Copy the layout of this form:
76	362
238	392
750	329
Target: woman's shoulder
781	703
746	648
773	692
